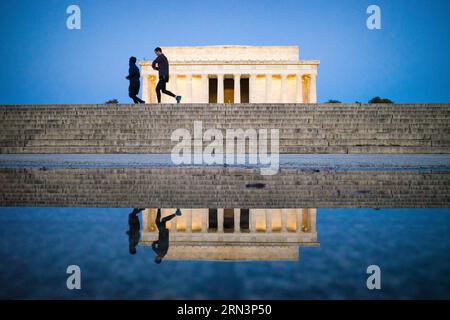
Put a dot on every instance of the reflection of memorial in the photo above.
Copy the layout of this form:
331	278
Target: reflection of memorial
234	234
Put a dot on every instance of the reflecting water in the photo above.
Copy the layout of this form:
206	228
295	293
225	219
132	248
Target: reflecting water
224	253
236	235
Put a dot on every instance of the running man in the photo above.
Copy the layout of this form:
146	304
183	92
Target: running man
162	65
161	246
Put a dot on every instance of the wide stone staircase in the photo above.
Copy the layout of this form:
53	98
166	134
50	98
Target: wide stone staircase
303	128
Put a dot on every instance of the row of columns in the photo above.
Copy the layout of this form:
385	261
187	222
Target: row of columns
237	87
303	217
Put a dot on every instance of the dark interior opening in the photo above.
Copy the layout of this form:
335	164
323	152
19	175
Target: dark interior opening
245	90
212	220
212	90
228	220
245	220
228	88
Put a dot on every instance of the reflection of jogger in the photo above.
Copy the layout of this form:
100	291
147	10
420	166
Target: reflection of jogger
161	246
162	65
133	233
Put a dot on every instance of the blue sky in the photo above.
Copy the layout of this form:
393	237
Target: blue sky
41	61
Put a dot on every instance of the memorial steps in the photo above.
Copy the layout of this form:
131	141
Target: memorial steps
303	128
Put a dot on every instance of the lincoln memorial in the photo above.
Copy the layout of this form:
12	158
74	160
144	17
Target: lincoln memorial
235	74
231	234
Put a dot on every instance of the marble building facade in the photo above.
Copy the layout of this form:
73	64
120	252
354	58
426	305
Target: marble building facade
235	74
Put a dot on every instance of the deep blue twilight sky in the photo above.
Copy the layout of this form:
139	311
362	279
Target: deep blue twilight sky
41	61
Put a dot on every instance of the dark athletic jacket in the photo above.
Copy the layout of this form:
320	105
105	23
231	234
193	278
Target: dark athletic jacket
161	246
163	66
133	73
133	234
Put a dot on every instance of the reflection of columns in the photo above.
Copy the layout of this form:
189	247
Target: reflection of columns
252	88
145	89
313	219
252	220
312	88
299	89
237	220
189	88
305	220
219	220
237	88
220	88
205	88
268	88
283	88
173	226
144	215
299	220
283	220
205	222
268	220
188	220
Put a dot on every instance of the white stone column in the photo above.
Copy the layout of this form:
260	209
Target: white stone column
252	220
268	215
237	220
312	88
205	222
145	96
145	215
220	220
268	98
189	88
283	220
313	219
237	88
283	88
299	220
174	84
252	88
205	88
220	95
305	220
188	220
173	227
299	89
